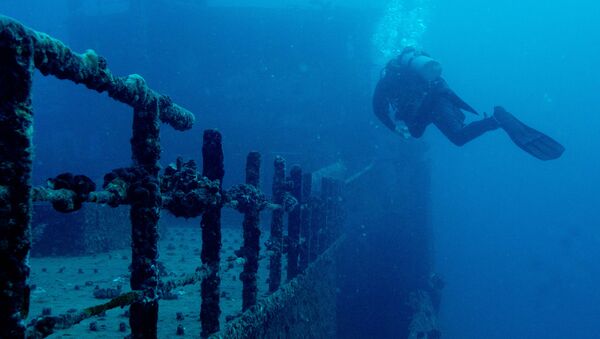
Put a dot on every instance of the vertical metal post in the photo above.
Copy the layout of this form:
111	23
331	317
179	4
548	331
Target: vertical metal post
16	117
251	237
213	169
294	220
305	228
276	239
146	201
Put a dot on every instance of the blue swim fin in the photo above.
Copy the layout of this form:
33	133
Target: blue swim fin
528	139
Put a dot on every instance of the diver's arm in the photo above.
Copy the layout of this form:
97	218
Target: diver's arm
381	106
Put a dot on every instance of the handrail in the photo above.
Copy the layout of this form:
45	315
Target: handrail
181	189
52	57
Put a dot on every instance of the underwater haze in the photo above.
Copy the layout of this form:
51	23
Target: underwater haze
515	239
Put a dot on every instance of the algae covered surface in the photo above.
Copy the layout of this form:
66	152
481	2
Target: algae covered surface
68	283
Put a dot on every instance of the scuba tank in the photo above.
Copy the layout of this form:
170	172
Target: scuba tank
414	78
420	63
430	70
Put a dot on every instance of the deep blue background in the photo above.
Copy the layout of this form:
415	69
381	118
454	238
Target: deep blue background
516	239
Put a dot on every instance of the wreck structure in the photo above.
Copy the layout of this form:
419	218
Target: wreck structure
181	189
305	223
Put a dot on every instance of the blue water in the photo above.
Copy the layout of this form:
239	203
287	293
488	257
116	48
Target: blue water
515	239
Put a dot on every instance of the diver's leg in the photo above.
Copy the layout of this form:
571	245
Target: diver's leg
477	128
450	121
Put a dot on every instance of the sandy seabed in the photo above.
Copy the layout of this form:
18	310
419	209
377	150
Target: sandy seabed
64	283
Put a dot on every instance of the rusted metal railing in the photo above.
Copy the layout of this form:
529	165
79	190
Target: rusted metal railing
180	188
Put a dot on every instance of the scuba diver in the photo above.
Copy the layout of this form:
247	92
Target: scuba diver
412	90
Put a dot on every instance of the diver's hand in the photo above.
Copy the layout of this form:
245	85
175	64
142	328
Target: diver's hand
402	131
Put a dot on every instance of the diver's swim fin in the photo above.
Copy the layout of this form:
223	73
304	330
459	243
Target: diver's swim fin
528	139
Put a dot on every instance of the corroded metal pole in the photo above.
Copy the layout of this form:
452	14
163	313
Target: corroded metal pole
305	228
294	220
22	49
69	198
146	200
16	116
251	236
276	239
213	169
53	57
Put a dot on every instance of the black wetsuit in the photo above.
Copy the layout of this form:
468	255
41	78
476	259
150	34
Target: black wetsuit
419	103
